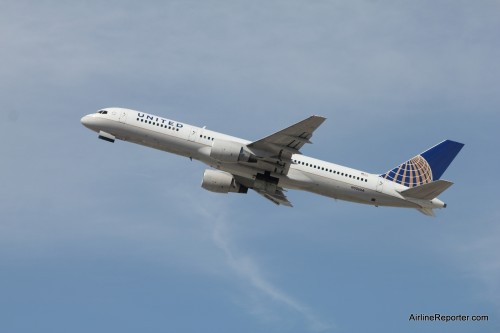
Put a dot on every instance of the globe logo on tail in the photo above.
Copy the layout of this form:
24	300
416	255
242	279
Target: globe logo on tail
414	172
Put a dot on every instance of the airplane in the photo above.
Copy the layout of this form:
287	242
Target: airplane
273	164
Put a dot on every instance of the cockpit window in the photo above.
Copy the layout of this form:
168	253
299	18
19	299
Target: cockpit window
103	112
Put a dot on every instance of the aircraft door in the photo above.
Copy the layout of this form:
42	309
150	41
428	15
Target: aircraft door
122	117
193	134
380	185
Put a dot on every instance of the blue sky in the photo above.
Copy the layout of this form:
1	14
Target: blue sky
115	237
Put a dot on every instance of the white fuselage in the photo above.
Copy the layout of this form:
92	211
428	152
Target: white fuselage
305	173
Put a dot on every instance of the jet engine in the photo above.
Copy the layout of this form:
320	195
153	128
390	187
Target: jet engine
232	152
221	182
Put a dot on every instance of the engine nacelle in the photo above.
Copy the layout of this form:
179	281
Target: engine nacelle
232	152
221	182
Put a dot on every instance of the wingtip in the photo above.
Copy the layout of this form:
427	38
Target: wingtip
318	116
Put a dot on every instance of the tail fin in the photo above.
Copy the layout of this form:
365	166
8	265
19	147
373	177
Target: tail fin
426	167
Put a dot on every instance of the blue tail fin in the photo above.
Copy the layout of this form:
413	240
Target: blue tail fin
426	167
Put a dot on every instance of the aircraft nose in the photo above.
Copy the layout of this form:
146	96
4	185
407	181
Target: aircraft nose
87	121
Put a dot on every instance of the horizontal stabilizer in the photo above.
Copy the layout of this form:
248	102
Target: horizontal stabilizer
427	191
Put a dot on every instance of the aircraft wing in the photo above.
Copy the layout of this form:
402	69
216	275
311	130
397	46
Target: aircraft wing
290	139
275	151
271	192
277	197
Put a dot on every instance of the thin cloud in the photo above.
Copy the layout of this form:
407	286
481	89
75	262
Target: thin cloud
249	271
